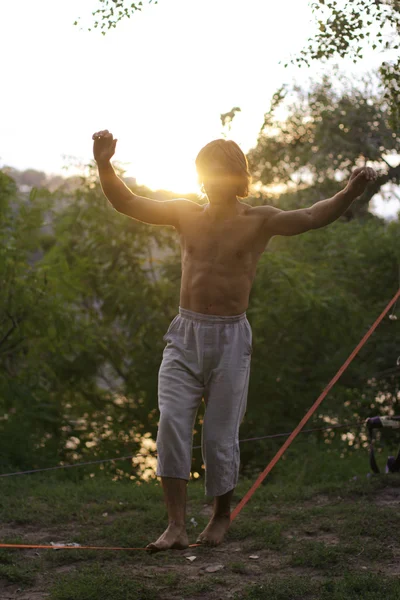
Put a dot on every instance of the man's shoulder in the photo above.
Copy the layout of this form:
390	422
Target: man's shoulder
257	212
261	214
189	207
185	206
186	210
263	211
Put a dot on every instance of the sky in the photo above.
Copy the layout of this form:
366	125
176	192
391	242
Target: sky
158	81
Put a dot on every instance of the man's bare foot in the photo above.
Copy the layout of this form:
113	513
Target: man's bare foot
174	538
215	531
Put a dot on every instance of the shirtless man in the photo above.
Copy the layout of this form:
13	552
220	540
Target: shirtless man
209	342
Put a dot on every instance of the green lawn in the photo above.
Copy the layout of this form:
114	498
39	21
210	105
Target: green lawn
336	539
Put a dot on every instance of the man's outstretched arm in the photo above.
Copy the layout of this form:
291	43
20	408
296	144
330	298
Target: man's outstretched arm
320	214
147	210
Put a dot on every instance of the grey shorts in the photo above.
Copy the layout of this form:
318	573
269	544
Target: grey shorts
206	356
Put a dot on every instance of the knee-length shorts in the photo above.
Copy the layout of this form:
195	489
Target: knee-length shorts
206	356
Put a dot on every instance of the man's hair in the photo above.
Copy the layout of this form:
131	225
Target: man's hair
231	156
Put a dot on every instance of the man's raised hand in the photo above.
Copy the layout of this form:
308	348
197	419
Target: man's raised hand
359	179
103	146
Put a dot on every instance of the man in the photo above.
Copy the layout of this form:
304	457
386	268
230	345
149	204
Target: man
209	342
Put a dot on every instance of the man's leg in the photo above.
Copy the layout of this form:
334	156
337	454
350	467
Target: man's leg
180	391
220	521
222	458
225	396
175	494
222	505
175	536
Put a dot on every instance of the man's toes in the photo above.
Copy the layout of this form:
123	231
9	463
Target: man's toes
209	543
204	540
153	547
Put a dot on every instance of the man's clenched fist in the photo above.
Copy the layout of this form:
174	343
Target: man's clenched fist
359	180
103	146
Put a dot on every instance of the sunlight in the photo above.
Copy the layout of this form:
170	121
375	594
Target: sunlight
168	162
165	159
167	175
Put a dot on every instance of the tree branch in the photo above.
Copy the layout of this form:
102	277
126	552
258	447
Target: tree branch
14	345
15	325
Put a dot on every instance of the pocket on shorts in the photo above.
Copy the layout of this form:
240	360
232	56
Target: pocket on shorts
249	336
171	326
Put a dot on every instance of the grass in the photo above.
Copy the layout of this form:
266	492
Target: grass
328	536
351	587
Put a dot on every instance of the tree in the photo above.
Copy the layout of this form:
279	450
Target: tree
309	306
343	29
327	131
80	327
313	299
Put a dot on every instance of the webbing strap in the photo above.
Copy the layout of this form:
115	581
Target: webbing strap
73	547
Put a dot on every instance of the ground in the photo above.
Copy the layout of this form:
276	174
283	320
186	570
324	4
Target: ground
336	541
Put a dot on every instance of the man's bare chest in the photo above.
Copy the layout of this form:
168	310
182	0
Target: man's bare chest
238	239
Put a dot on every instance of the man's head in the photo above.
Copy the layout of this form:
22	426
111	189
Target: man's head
223	170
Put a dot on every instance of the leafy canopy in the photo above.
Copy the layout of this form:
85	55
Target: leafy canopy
343	29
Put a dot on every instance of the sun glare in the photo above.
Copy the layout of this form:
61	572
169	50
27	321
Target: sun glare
166	176
168	163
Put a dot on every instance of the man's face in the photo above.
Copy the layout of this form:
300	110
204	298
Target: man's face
219	180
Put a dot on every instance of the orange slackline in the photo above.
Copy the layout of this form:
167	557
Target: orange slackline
273	462
55	547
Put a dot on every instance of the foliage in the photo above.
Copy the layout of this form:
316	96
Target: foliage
314	298
343	28
325	132
77	360
112	12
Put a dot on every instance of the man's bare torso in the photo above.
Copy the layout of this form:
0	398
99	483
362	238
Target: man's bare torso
219	259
